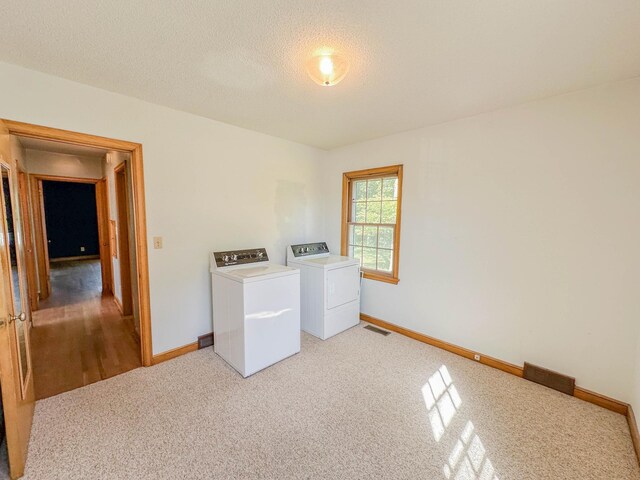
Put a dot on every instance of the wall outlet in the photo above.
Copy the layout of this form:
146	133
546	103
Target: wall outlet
157	242
476	357
82	249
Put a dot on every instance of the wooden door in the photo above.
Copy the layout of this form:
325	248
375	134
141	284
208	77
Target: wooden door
16	376
30	254
40	234
102	204
122	205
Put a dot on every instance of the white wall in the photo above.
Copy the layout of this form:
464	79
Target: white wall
208	186
63	165
520	235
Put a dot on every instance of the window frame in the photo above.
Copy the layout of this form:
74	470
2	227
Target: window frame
348	178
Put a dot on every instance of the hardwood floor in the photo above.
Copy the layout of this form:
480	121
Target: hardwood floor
79	337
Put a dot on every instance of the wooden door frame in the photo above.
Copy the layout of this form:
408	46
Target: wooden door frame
37	202
140	223
40	237
124	257
102	204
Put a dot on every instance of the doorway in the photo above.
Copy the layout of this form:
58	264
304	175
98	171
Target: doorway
84	329
119	213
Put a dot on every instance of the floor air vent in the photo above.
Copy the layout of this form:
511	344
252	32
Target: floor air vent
377	330
549	378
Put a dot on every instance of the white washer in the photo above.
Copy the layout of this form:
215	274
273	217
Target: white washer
256	309
330	289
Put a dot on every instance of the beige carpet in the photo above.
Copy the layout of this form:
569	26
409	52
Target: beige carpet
359	405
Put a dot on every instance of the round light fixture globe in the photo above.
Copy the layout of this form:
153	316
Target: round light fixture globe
327	69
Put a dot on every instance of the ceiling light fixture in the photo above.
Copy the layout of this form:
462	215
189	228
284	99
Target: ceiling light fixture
327	69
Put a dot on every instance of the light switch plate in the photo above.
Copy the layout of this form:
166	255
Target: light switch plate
157	242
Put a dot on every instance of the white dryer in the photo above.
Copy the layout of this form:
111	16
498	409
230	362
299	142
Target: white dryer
256	309
330	289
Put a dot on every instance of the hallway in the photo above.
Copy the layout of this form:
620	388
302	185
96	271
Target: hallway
79	337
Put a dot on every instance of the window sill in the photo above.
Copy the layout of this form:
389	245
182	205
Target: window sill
380	277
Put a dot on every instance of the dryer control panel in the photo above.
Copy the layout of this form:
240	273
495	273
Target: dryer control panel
305	249
239	257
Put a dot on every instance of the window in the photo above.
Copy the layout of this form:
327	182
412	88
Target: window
371	220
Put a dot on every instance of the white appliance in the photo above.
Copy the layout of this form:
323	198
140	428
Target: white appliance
256	309
330	289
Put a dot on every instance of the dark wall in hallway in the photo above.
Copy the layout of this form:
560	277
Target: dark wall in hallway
71	218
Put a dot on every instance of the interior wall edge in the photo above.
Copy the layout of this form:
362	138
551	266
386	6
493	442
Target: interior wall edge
635	433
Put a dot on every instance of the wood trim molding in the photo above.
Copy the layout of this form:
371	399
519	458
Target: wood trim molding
74	258
102	204
635	433
140	219
40	235
380	277
175	352
581	393
67	136
142	259
118	304
449	347
58	178
374	172
601	400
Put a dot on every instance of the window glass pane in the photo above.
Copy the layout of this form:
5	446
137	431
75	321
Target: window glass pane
369	258
390	188
389	209
357	253
357	235
374	189
370	236
359	212
373	212
360	190
385	260
385	237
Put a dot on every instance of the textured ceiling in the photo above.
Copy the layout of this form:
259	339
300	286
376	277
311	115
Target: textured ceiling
413	62
64	148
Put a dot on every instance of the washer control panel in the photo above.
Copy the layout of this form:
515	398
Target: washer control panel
305	249
239	257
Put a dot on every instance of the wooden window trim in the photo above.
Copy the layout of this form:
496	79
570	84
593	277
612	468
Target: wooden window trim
347	182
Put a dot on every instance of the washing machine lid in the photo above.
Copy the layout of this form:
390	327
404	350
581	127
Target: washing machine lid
250	273
329	261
